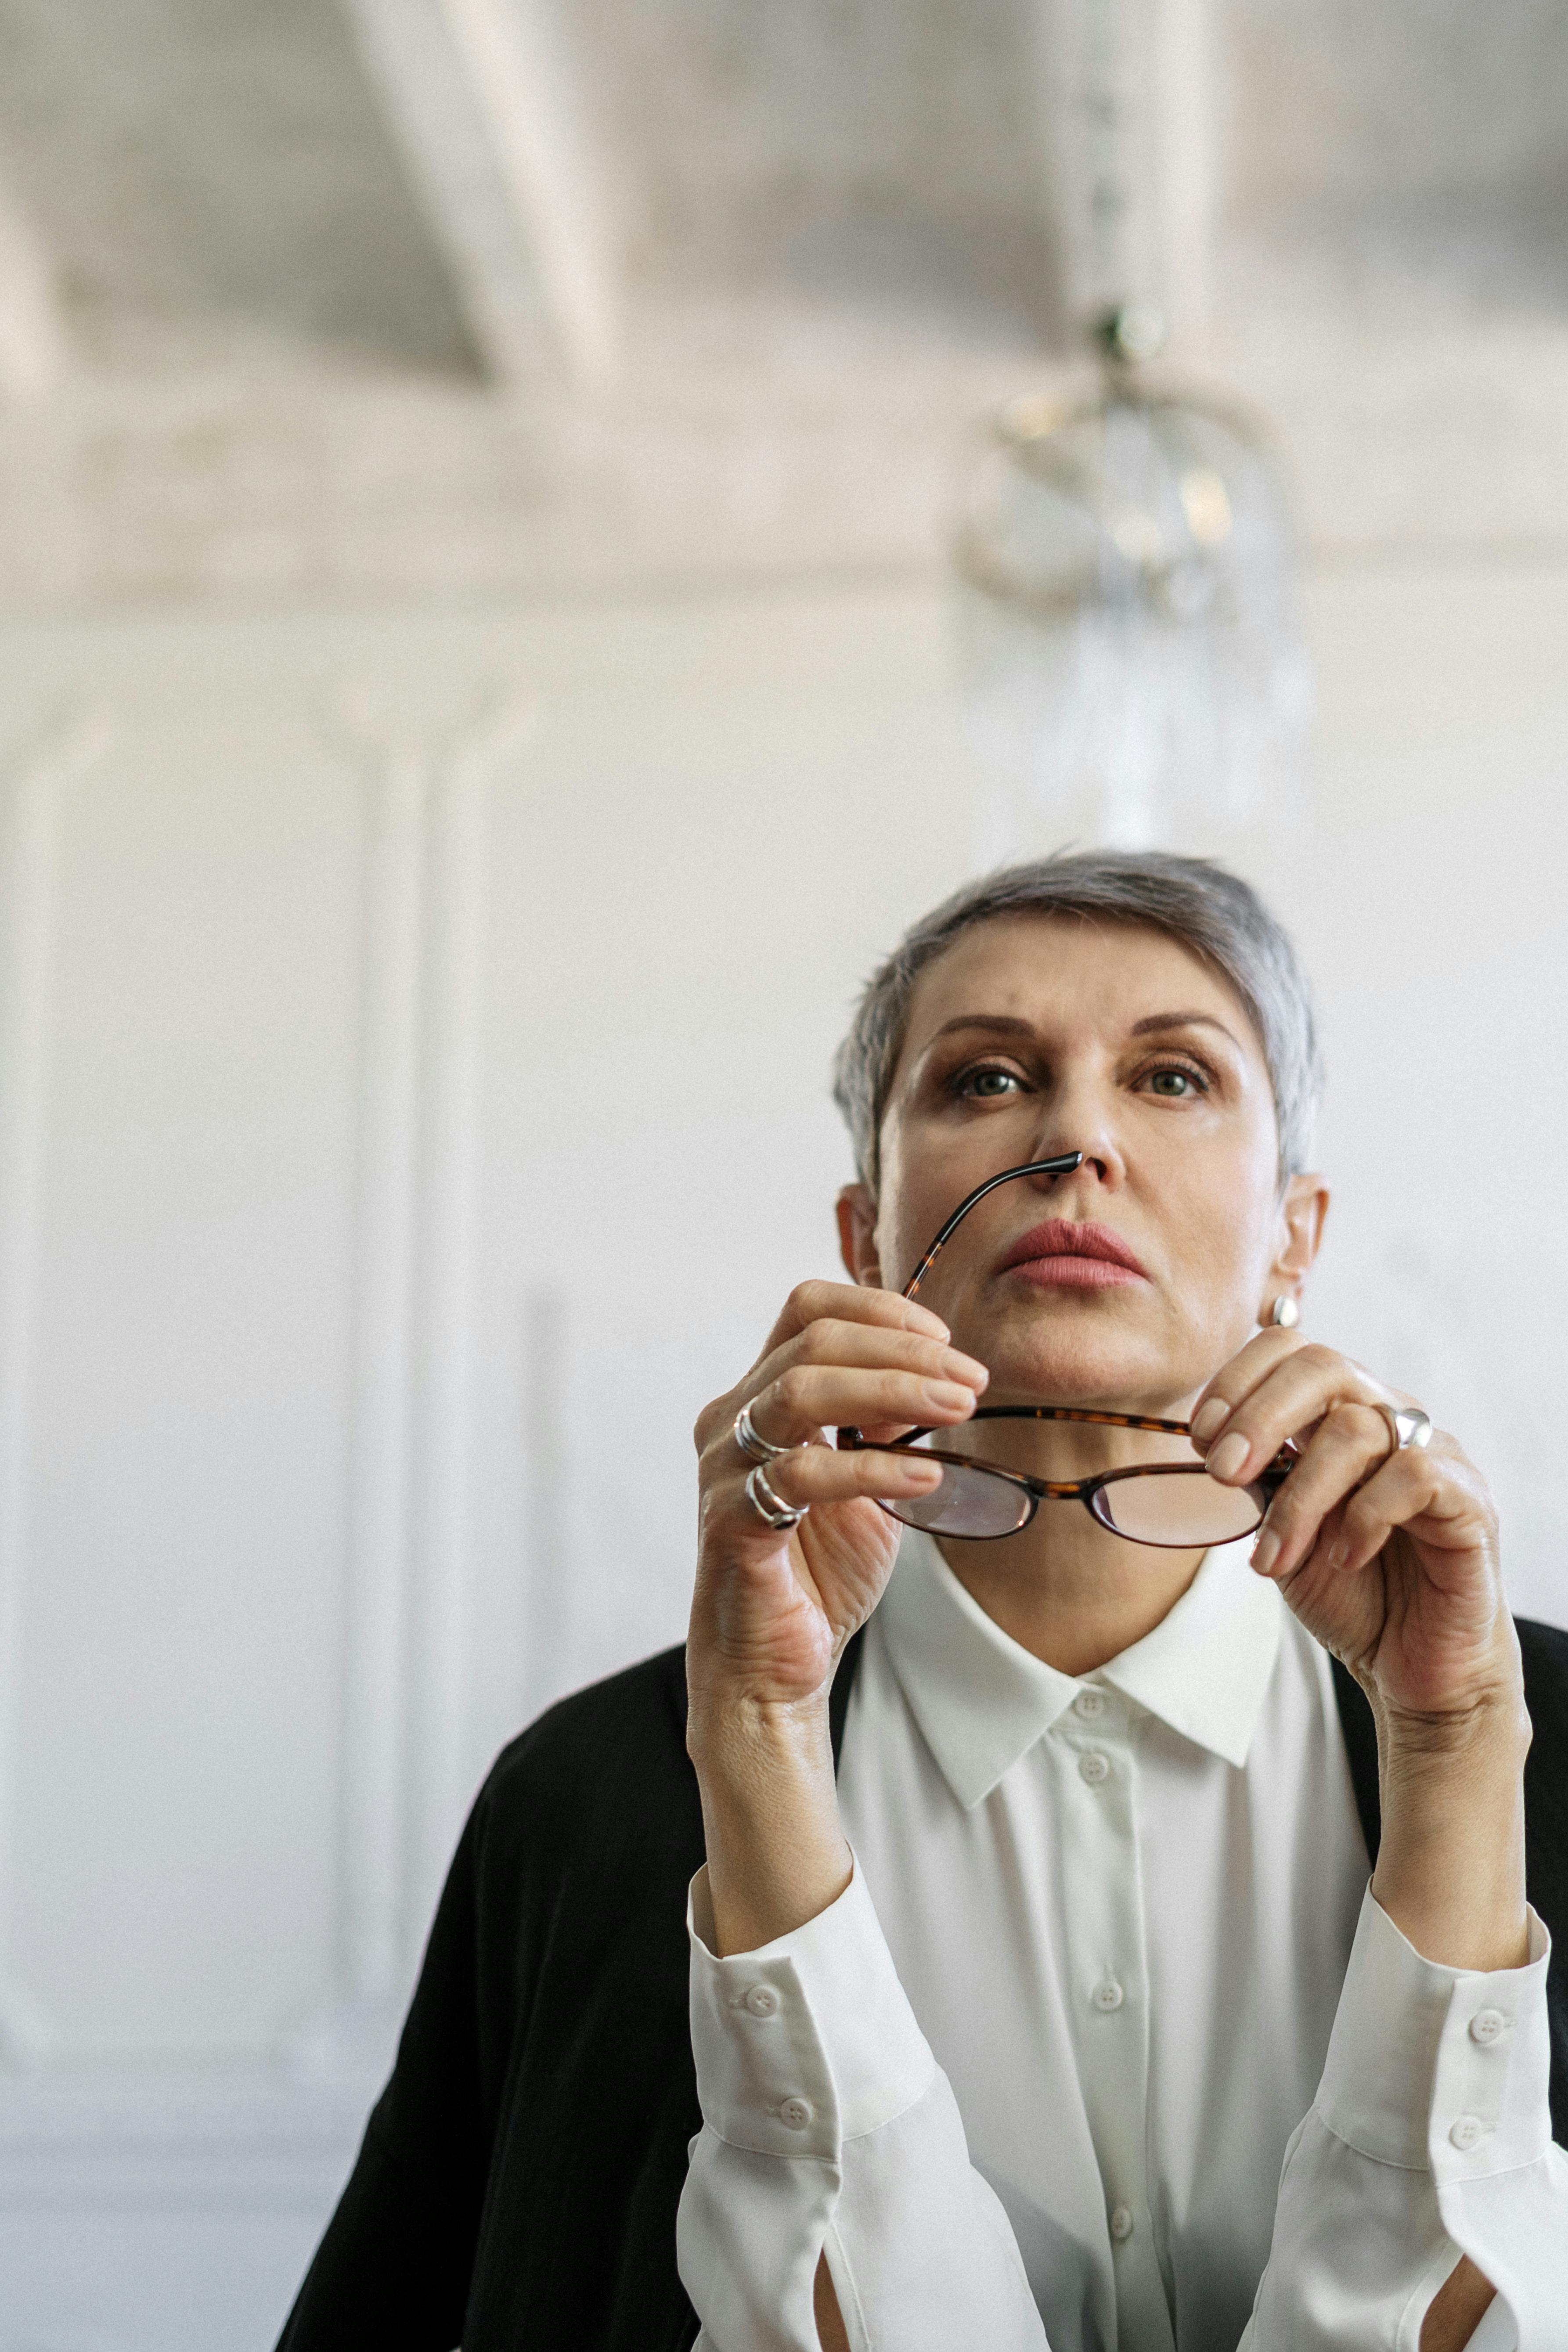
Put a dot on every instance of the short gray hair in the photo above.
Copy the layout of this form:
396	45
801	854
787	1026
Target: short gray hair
1220	918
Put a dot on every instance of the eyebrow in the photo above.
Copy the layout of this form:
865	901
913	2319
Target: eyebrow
1007	1025
1004	1024
1182	1021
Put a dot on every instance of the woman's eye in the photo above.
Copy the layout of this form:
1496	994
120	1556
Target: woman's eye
1174	1084
988	1084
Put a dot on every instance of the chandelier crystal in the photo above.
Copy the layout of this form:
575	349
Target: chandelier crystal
1135	662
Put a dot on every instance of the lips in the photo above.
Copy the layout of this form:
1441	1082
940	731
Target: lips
1064	1255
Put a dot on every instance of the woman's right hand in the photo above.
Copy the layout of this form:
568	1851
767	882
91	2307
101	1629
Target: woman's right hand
774	1608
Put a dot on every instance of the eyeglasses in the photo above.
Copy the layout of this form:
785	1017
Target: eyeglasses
1145	1483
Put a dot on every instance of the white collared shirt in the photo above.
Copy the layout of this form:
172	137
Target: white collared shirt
1107	2045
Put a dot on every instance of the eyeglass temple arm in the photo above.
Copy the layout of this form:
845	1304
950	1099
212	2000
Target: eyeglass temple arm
1063	1165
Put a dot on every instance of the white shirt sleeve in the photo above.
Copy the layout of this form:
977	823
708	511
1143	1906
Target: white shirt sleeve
1430	2136
828	2126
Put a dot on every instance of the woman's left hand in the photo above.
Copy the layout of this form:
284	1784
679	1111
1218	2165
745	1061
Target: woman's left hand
1389	1559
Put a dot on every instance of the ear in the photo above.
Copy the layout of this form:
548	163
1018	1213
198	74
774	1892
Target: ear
857	1235
1302	1209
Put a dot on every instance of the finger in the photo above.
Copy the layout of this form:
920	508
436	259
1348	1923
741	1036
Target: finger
809	1398
819	1473
1438	1487
849	1302
1349	1443
827	1341
1291	1397
1235	1381
875	1325
787	1416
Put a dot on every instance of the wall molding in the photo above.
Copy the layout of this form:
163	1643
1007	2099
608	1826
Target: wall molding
406	1635
78	2128
34	777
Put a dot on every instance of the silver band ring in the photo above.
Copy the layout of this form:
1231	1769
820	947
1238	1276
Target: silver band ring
753	1444
1408	1426
771	1506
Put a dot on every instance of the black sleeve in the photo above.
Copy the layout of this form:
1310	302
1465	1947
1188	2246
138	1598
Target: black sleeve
392	2274
1545	1650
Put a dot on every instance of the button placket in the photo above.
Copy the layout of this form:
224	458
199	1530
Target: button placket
1096	1784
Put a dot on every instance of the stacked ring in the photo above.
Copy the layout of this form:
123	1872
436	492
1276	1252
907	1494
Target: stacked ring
753	1444
1408	1426
770	1505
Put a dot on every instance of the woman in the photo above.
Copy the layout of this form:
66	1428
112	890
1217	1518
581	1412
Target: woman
1037	1995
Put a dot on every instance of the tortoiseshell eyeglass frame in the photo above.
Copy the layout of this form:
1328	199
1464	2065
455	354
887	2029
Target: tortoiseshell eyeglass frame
1091	1492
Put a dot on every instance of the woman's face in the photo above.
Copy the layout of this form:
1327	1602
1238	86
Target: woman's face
1037	1034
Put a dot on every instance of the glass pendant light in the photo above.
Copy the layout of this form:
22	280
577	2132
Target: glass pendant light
1126	565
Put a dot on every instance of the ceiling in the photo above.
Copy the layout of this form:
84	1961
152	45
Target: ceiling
459	293
213	165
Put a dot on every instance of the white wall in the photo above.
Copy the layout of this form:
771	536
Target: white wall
413	1032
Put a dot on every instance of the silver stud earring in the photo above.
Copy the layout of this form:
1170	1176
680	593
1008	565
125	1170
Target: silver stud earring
1285	1313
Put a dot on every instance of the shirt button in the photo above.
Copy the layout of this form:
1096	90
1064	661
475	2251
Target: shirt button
1094	1767
1487	2024
1121	2223
1108	1996
763	2000
796	2113
1467	2132
1089	1704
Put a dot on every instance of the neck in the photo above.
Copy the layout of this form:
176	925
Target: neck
1067	1591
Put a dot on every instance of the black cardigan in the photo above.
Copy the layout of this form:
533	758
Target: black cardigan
517	2186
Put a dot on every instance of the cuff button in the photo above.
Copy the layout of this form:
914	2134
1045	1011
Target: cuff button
1121	2224
796	2113
1466	2133
1487	2024
763	2000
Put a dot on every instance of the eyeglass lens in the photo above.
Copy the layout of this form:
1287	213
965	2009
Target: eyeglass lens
1168	1500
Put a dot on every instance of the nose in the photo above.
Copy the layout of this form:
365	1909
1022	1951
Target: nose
1077	1120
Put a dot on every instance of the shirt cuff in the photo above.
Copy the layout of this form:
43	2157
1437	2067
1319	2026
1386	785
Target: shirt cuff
809	2041
1438	2070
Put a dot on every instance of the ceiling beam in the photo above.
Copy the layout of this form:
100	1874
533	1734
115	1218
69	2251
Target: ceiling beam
1187	75
1127	107
480	98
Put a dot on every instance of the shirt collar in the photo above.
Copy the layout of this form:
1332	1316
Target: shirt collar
981	1701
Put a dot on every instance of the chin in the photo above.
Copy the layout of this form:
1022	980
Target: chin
1115	1371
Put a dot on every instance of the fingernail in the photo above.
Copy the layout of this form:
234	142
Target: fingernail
1265	1551
1210	1416
1229	1456
1339	1551
921	1318
948	1397
965	1368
